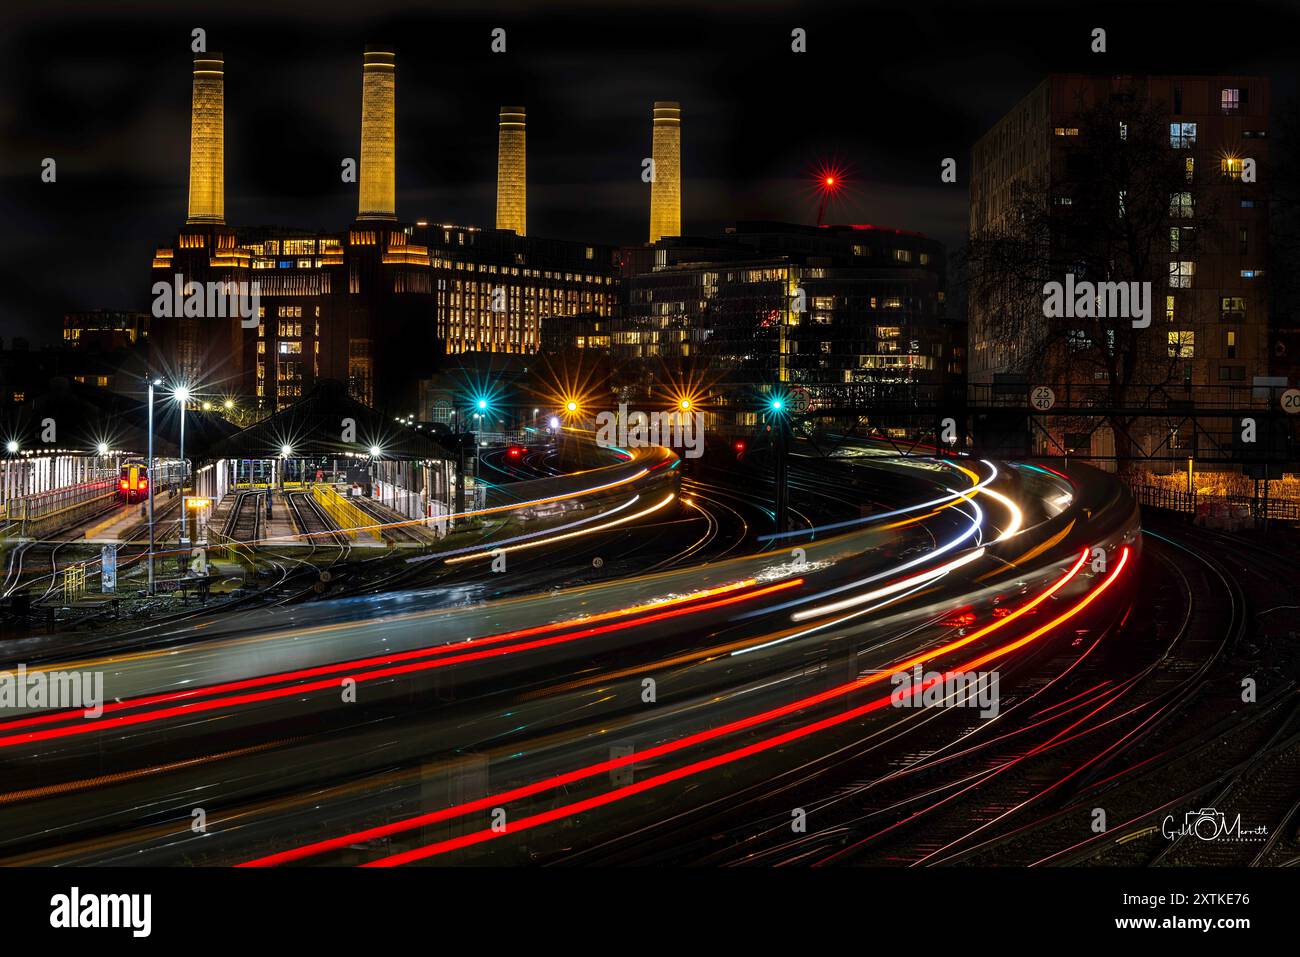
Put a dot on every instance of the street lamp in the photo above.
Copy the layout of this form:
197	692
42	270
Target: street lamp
182	395
779	425
150	476
11	446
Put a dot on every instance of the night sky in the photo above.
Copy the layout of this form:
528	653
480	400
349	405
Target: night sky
885	92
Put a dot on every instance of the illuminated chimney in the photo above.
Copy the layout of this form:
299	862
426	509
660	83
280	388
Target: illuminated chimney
512	168
207	141
666	190
378	135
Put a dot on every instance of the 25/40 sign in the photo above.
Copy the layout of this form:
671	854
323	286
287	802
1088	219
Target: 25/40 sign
1042	398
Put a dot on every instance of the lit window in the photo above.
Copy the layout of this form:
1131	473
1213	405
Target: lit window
1182	345
1180	274
1182	136
1230	100
1181	206
1230	167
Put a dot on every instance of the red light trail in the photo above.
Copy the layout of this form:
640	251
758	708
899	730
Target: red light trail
698	738
442	655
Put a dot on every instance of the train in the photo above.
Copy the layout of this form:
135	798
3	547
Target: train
133	480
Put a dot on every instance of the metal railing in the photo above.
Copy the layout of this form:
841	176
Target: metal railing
346	516
1190	503
34	515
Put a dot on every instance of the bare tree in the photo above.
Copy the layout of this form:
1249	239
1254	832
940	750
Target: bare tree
1122	205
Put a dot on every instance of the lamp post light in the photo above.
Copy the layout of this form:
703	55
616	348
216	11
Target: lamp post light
149	473
779	424
182	396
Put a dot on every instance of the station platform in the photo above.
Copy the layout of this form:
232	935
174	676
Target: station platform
113	528
283	529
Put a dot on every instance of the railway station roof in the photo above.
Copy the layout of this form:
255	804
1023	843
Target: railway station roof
327	422
71	417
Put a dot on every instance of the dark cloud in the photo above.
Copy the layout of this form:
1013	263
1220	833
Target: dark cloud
886	90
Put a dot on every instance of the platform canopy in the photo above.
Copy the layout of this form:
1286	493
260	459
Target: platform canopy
73	417
327	422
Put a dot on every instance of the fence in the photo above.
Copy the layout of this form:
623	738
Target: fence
1217	506
342	513
36	515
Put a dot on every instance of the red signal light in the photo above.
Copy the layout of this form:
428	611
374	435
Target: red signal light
515	451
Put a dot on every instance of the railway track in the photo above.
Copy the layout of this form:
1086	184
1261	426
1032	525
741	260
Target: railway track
245	520
317	529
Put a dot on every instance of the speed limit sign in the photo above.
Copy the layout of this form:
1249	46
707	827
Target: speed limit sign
798	401
1290	400
1042	398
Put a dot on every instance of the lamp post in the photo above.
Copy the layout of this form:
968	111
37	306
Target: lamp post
182	397
150	475
781	446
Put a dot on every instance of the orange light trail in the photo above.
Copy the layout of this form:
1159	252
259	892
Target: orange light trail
570	777
454	654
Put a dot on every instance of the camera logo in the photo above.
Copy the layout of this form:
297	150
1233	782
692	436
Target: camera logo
1211	824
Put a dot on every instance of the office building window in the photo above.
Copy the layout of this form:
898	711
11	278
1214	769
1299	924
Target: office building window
1182	136
1182	345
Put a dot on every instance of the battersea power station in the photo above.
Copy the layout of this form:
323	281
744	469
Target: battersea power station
376	305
